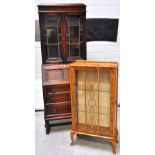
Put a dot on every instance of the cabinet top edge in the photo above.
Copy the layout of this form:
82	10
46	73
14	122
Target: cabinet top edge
85	63
61	4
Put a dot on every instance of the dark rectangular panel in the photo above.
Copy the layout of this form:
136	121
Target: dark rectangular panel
102	29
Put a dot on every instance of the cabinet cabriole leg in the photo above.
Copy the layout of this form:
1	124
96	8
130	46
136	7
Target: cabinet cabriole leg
113	142
72	136
114	148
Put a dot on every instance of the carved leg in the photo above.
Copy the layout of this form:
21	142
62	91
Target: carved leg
47	128
71	136
113	146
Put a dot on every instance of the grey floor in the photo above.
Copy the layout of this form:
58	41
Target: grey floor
58	141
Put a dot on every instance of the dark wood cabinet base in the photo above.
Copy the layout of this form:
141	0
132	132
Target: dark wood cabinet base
56	94
48	126
47	130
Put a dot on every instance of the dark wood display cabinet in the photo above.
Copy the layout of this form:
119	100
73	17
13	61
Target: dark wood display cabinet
63	32
63	40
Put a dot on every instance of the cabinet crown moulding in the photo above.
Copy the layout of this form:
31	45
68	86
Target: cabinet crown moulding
61	4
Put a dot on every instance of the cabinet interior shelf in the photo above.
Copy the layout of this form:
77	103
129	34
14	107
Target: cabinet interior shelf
51	26
55	26
75	42
88	90
52	44
87	112
71	43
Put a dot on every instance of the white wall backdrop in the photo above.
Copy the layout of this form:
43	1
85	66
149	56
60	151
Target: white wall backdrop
98	50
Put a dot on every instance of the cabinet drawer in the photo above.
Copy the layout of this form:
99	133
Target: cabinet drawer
56	90
60	108
57	98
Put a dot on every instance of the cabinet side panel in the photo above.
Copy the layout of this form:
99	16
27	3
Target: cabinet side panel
112	102
72	90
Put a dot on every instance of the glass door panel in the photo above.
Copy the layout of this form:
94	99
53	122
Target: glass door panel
92	89
74	41
104	101
104	81
92	99
53	38
80	98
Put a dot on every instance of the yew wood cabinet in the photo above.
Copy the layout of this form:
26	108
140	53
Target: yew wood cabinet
94	99
63	41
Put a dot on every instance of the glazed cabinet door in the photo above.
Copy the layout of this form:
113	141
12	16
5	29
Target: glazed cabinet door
75	37
51	38
93	100
63	37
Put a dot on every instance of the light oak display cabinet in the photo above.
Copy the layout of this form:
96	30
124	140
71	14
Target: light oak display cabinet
94	99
